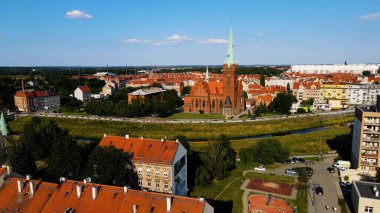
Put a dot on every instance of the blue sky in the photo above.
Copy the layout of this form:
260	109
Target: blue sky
179	32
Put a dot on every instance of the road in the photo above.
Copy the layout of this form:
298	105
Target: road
176	121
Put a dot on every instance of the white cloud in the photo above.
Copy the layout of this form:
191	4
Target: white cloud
77	14
136	40
177	38
256	45
213	41
369	17
259	34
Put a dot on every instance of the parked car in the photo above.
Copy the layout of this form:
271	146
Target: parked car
319	190
260	168
291	172
331	169
288	161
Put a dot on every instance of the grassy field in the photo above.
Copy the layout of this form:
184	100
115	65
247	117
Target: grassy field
273	178
298	144
95	129
184	115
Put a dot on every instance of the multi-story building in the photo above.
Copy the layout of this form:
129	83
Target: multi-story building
306	90
146	93
362	94
365	197
83	93
27	195
334	91
366	138
336	68
161	165
37	100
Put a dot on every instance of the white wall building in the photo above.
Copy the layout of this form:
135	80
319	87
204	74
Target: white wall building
83	93
362	94
275	81
335	68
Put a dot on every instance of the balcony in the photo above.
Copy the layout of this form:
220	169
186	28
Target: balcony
371	139
370	147
369	155
368	163
372	131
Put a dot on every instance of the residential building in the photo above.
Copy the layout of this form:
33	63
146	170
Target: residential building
37	100
365	197
366	138
334	91
336	68
161	165
362	94
224	97
304	91
109	88
83	93
27	195
146	93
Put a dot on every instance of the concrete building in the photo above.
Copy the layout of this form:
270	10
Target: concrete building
336	68
365	197
362	94
306	90
161	165
146	93
334	91
83	93
366	138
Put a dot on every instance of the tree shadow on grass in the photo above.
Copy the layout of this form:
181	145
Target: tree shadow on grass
221	206
342	144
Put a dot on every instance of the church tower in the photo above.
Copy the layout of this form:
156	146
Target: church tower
231	96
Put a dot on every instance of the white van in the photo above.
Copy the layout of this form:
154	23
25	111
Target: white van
342	164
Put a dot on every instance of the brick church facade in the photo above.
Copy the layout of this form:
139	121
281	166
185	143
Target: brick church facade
226	97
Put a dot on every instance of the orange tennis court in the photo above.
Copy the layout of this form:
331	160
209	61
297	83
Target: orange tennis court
268	204
270	187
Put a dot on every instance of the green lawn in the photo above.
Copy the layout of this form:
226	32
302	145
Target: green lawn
95	129
76	113
184	115
298	144
273	178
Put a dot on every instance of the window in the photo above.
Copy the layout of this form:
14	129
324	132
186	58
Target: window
157	172
368	209
139	170
157	184
166	186
203	104
165	173
148	171
196	103
149	183
140	182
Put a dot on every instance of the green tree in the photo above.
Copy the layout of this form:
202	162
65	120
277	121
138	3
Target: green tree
366	73
108	165
301	110
309	101
202	176
21	160
185	90
269	151
185	143
283	102
65	159
246	155
262	80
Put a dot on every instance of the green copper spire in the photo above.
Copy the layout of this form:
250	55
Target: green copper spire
207	76
230	54
3	126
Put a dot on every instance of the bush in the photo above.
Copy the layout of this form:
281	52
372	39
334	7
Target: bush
301	110
202	176
269	151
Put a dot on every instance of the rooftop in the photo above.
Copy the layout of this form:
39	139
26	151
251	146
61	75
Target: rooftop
365	189
147	91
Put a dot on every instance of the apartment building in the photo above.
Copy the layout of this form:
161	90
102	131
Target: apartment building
334	91
365	197
27	195
306	90
335	68
362	94
82	93
366	138
161	165
37	100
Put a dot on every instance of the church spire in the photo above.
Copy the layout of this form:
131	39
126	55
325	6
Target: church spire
207	76
4	131
230	54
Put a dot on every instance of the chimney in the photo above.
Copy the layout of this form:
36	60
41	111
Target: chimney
104	135
9	170
162	140
125	189
168	204
127	136
377	193
31	184
135	208
94	192
202	199
62	179
79	191
176	140
141	137
85	181
28	177
19	186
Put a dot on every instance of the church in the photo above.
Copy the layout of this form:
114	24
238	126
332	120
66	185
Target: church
223	97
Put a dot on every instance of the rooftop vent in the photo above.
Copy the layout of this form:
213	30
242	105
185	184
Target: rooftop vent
135	208
19	186
105	135
79	191
31	184
125	189
28	177
62	179
127	136
94	192
168	204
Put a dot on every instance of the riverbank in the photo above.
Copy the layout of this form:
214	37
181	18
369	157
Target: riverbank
94	129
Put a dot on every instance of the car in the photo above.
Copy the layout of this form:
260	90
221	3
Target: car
287	161
319	190
291	172
260	168
301	160
331	169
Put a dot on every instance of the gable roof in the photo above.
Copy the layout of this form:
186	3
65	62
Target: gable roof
144	150
84	88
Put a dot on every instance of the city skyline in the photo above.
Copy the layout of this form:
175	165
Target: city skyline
55	33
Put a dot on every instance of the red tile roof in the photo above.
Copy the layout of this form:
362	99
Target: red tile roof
50	197
84	89
144	150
